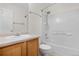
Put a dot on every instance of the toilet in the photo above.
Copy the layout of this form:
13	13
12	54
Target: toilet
45	49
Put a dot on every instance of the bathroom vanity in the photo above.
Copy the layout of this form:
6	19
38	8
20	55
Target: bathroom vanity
19	46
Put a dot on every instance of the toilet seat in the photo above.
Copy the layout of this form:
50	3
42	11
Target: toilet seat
45	47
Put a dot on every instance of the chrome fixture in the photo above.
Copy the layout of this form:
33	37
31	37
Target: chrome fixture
18	23
35	13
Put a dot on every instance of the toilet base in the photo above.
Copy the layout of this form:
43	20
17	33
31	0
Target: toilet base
45	49
44	53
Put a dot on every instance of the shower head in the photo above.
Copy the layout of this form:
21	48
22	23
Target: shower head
48	12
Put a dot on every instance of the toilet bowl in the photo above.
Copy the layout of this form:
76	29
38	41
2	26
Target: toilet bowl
45	49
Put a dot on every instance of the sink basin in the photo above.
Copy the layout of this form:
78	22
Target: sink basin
8	37
14	38
26	35
20	36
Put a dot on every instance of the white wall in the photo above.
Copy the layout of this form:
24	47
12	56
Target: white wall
16	12
10	13
35	21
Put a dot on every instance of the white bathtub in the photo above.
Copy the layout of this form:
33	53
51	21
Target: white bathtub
61	50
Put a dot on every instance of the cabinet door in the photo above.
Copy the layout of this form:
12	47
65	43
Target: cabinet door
24	49
33	47
14	50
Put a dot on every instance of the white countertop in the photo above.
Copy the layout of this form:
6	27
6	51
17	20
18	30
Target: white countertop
9	40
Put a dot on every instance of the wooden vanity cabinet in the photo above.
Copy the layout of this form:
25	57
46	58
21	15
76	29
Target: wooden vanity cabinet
24	49
33	47
27	48
14	50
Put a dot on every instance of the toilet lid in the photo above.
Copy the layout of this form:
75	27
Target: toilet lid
45	47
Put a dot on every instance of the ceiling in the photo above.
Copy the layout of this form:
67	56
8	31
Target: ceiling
39	6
